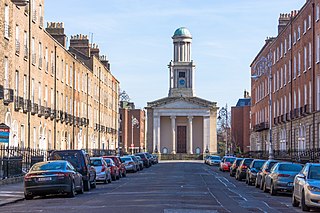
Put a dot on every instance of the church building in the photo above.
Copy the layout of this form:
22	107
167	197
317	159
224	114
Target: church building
181	123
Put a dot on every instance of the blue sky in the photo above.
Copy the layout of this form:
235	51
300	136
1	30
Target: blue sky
136	36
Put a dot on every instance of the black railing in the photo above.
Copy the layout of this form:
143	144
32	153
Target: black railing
301	156
16	161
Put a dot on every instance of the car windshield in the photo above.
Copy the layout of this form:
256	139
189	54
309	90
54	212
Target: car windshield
258	164
126	159
215	158
247	162
96	162
290	167
238	161
231	160
271	164
48	166
314	172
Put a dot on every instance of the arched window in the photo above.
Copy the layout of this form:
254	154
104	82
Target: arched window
165	150
198	151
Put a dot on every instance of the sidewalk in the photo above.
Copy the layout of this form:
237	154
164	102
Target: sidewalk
10	193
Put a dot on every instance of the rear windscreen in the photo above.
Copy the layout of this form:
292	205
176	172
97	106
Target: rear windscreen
96	162
290	167
48	166
73	157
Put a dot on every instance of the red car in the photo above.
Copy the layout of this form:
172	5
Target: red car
115	174
119	164
226	163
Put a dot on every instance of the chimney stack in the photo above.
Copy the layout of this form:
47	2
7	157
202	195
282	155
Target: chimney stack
284	19
56	30
80	43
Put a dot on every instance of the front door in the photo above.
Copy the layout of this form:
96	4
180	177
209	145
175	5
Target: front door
181	139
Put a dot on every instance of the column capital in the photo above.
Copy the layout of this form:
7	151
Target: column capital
172	117
190	118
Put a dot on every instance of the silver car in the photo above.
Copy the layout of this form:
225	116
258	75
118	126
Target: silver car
102	169
307	187
281	176
214	160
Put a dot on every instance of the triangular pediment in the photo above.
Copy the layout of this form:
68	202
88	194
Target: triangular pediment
181	103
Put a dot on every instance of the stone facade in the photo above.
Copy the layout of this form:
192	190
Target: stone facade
295	85
62	99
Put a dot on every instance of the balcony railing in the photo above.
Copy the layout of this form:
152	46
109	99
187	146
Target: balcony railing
58	115
40	61
26	52
41	21
18	103
52	113
6	29
257	128
1	92
34	108
26	105
47	112
17	47
66	117
33	58
41	111
8	96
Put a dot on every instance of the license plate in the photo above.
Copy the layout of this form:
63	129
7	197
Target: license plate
290	184
44	179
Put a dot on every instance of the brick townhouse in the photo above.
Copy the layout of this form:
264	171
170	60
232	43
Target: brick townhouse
295	84
53	97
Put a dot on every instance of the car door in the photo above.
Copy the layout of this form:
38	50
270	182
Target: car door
300	182
76	175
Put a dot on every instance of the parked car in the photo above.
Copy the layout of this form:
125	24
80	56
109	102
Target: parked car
234	166
281	177
140	162
129	163
242	168
155	158
52	177
102	169
252	171
265	169
214	160
206	158
306	187
80	160
150	157
115	174
226	162
119	164
146	161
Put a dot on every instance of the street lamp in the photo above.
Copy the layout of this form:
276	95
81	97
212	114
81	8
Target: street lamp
134	121
263	67
223	112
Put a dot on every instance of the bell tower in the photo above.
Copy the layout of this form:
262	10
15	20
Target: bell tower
181	68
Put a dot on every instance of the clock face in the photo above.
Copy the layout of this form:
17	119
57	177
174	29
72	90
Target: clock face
182	81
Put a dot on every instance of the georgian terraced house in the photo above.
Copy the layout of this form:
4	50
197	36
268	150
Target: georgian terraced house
53	97
295	84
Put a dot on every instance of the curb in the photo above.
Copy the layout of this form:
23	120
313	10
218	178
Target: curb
13	201
11	180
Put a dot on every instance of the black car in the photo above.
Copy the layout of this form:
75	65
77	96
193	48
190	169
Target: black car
79	160
52	177
234	166
265	170
252	171
242	168
145	159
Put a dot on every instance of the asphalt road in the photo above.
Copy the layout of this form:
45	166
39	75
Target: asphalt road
168	187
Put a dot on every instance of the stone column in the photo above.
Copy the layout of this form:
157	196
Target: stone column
206	134
156	133
190	134
173	131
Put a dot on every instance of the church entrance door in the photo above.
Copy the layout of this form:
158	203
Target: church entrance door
181	139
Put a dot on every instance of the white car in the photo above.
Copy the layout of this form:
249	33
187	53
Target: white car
102	169
214	160
306	187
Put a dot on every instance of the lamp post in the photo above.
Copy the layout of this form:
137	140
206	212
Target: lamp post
223	112
134	121
263	67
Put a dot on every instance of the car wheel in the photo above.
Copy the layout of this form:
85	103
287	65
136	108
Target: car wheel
114	177
273	191
106	179
28	197
256	183
93	184
295	203
80	191
304	207
265	187
86	185
261	184
72	192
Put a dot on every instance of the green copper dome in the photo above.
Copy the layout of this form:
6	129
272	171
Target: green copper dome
182	31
